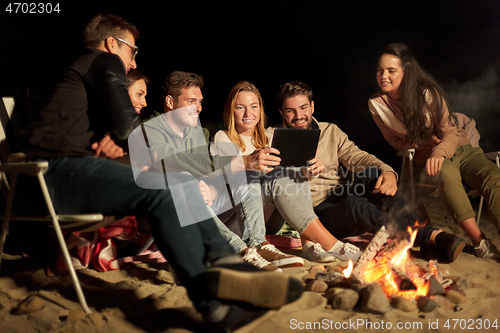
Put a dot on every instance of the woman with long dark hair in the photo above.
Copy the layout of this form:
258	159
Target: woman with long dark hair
412	111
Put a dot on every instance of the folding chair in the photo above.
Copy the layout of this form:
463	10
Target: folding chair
494	156
473	136
407	156
8	177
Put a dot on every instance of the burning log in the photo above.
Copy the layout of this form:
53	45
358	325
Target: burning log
400	278
371	251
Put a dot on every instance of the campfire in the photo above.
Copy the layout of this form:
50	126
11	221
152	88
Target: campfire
385	277
391	268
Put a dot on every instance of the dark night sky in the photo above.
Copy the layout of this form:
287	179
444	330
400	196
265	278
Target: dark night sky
331	45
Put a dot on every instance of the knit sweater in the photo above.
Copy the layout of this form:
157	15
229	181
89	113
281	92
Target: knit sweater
388	116
224	147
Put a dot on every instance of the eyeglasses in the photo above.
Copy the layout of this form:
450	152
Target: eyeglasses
133	47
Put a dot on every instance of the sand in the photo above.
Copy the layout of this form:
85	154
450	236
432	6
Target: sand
145	298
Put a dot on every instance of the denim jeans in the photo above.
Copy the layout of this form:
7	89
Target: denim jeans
96	185
353	209
286	190
248	213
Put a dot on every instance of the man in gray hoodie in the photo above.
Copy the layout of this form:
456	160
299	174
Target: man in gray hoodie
176	143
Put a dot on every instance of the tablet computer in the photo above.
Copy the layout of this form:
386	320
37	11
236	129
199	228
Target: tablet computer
296	146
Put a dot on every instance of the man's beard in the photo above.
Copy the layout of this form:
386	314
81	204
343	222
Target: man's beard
307	124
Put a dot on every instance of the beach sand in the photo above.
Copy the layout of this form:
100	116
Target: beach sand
145	298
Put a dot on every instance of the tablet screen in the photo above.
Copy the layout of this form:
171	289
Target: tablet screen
296	146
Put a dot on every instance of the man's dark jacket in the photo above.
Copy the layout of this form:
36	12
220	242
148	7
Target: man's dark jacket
90	101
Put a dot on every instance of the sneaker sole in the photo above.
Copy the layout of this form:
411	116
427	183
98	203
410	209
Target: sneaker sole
288	262
346	258
322	260
260	289
456	248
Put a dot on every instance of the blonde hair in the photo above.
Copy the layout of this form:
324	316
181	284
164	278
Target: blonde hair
259	138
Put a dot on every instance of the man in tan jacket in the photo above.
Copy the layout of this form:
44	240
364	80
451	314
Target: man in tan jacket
354	192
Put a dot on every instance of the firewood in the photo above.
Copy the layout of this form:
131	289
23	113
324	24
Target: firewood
370	252
401	279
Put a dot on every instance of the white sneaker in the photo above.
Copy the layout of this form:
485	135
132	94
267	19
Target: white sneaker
346	252
316	253
251	256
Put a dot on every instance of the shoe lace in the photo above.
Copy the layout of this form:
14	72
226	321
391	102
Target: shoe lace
252	257
273	249
317	248
349	248
483	247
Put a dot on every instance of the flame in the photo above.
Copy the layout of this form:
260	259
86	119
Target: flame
378	271
347	272
400	258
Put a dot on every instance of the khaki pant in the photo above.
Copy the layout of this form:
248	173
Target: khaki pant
470	166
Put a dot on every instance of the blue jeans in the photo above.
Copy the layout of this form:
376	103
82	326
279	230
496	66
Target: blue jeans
286	190
353	209
95	185
248	213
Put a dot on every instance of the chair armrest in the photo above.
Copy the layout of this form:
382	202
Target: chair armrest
81	217
28	168
406	152
492	155
61	218
80	223
19	157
